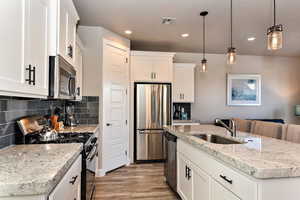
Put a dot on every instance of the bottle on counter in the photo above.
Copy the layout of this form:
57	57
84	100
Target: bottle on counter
183	114
176	113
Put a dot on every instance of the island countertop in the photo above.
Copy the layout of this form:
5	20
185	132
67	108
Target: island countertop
35	169
260	157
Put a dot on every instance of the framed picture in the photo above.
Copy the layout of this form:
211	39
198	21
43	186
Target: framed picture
243	90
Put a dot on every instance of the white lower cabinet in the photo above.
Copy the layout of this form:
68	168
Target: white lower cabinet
200	177
69	187
192	183
218	192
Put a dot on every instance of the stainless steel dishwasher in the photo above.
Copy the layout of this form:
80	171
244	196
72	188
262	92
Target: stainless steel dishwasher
171	161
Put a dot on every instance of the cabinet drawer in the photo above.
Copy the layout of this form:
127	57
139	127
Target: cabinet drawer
235	182
239	184
219	192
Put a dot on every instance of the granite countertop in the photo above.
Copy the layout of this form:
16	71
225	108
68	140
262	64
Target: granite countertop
80	129
261	157
35	169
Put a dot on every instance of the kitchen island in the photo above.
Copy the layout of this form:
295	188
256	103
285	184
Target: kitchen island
34	171
257	168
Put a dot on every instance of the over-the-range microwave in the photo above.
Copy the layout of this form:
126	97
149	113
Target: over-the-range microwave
62	80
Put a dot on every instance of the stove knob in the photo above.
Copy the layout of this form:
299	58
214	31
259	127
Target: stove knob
89	148
94	140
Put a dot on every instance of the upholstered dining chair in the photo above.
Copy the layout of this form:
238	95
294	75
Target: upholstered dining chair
243	125
268	129
292	133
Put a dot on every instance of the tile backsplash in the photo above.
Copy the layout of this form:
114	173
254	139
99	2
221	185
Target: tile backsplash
12	109
87	110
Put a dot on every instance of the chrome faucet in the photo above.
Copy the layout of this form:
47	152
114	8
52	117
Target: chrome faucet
231	129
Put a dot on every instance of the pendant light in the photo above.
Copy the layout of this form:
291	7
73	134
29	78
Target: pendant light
204	61
231	53
275	34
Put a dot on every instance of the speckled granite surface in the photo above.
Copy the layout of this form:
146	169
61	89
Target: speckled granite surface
261	157
35	169
80	129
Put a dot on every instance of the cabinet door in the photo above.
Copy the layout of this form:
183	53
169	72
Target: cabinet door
63	27
71	38
184	84
36	44
201	184
162	69
79	65
12	46
184	184
142	68
218	192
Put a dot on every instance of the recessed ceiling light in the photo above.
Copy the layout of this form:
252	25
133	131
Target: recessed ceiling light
185	35
128	32
251	38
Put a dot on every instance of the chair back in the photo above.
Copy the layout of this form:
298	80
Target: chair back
268	129
292	133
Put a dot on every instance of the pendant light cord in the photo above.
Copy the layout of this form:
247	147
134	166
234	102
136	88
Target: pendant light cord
274	12
203	37
231	26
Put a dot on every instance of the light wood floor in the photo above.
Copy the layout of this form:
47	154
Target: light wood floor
142	181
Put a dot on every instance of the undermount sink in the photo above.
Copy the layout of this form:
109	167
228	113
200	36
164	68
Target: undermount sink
216	139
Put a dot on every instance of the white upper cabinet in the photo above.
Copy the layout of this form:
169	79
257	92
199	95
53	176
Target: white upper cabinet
151	66
184	83
79	68
24	48
64	18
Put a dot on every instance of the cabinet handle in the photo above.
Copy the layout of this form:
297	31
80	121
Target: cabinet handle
189	174
33	70
74	178
226	179
70	51
186	171
30	70
78	91
154	75
183	96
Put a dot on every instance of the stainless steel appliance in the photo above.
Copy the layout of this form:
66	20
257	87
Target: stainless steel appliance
152	112
62	80
170	166
32	129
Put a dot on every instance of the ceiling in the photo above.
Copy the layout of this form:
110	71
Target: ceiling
143	17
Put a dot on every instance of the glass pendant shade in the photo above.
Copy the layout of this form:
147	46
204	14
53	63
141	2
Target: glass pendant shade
231	56
204	65
275	37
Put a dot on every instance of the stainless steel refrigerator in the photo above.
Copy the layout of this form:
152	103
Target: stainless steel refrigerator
152	112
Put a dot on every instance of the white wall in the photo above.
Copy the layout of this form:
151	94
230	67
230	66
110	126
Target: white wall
280	86
92	39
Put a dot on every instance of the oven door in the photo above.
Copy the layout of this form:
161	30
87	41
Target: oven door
90	172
